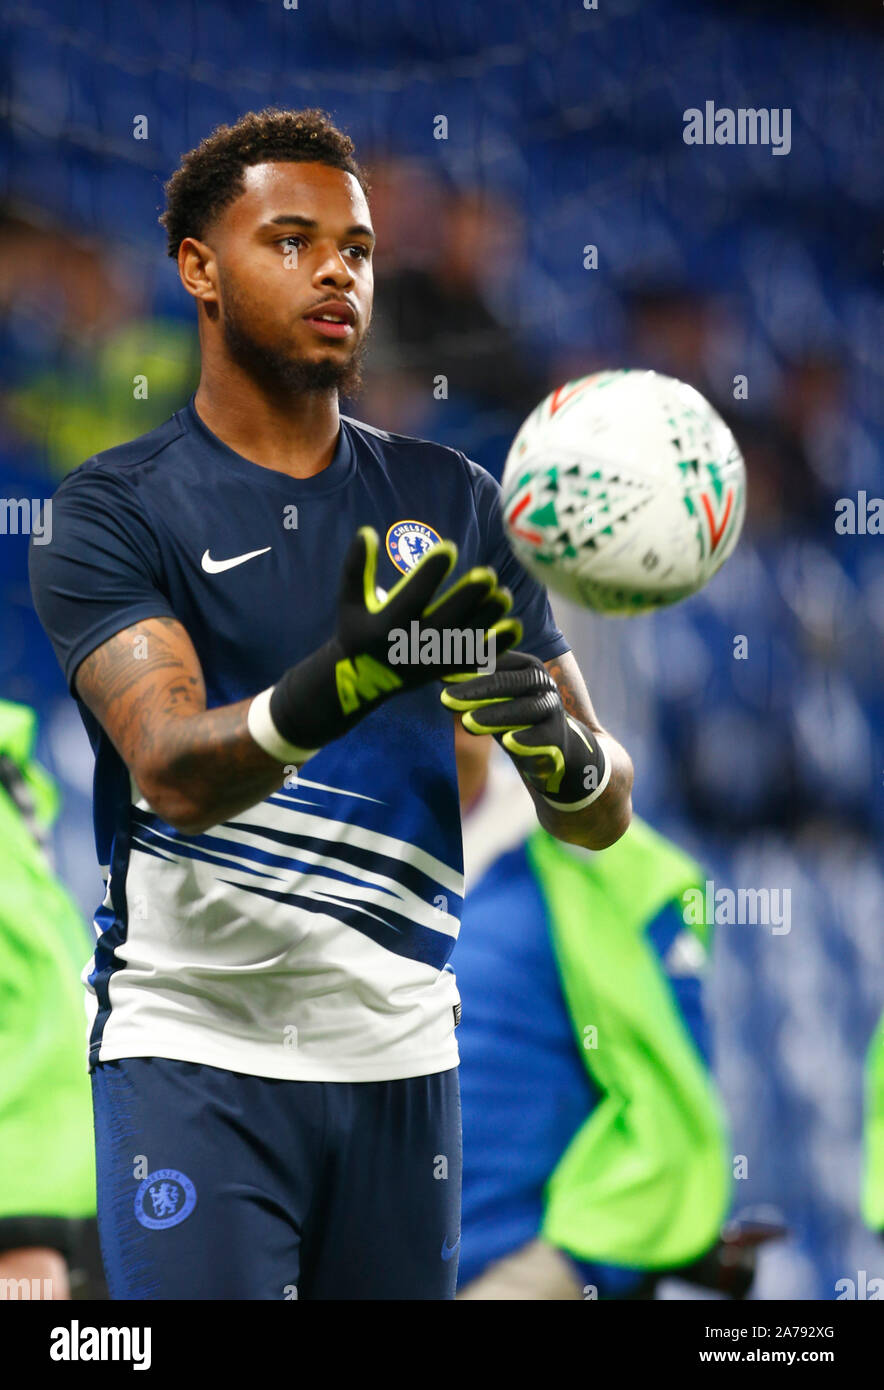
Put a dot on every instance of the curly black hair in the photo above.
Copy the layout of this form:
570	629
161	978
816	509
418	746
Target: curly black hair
210	176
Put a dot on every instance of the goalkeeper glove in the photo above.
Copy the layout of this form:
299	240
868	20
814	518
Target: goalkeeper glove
520	704
326	694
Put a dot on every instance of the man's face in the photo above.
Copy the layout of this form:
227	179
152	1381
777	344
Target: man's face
294	246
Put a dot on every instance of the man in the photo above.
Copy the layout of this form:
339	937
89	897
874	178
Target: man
47	1168
595	1157
270	974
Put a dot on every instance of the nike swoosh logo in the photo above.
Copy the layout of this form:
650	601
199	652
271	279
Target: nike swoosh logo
448	1250
219	566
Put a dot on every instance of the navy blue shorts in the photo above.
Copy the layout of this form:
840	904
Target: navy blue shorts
216	1185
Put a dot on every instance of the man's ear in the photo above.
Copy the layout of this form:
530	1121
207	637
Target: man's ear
198	270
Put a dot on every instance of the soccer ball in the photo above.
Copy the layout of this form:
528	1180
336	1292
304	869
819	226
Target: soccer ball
624	491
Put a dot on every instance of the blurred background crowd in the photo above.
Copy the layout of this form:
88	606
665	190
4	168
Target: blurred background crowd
563	130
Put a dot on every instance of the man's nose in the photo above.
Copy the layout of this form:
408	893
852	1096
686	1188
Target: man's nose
332	268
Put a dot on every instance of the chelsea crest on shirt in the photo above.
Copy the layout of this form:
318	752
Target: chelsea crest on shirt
408	542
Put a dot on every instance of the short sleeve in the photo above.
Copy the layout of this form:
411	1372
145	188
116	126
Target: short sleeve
541	637
100	569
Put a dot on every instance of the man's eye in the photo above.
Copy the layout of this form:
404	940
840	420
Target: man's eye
363	252
287	239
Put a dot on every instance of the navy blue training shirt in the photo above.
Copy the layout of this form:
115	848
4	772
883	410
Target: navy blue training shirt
307	937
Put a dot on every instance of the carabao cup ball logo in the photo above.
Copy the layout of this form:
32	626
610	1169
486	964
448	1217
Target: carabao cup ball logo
164	1199
408	542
